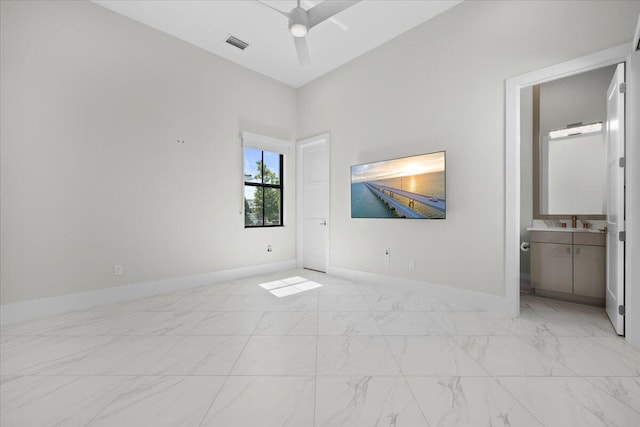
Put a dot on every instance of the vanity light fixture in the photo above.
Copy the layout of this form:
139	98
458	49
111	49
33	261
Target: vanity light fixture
576	130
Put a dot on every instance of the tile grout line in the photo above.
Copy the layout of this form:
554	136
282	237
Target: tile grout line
124	390
591	338
515	398
588	379
231	369
494	378
179	338
315	377
402	373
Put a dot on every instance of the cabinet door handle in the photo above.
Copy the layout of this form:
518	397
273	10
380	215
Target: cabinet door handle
577	251
568	251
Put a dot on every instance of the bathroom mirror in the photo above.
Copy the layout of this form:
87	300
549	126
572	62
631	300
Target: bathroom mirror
572	175
568	175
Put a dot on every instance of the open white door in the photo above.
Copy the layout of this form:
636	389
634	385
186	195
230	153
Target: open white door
314	158
614	137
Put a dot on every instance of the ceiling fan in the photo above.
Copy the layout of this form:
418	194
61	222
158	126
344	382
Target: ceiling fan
301	21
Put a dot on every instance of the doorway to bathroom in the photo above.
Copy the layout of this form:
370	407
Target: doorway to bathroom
563	254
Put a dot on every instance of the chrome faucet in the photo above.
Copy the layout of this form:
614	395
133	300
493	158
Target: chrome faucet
574	221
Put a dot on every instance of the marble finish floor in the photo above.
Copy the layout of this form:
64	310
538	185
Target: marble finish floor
341	354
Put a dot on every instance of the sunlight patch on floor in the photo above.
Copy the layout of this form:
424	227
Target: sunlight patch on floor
290	286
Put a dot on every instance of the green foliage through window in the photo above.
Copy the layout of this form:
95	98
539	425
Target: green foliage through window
262	188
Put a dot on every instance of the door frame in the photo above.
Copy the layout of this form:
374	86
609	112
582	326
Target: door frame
300	145
596	60
632	201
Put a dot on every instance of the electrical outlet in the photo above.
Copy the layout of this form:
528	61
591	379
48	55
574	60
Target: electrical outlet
387	257
412	264
118	270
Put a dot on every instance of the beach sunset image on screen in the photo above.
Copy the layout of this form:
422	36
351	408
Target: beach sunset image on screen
409	187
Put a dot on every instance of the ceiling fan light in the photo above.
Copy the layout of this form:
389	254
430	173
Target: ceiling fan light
298	22
298	30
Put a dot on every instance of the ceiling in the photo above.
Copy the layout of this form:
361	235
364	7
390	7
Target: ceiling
271	51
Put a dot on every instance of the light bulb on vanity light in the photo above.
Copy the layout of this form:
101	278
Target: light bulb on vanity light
579	129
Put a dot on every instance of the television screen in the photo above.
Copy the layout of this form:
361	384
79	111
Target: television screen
410	187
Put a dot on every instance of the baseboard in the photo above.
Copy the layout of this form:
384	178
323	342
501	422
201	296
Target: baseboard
32	309
474	300
578	299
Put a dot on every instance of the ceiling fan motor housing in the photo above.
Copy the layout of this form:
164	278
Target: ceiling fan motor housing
298	22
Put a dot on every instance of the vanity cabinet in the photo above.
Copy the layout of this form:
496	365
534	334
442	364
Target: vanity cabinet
589	264
552	261
568	264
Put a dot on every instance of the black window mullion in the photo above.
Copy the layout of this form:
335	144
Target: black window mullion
281	157
262	185
263	194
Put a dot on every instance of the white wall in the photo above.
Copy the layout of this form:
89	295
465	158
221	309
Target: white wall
441	86
579	98
91	174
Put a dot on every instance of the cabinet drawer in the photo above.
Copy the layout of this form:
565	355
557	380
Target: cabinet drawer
591	239
551	237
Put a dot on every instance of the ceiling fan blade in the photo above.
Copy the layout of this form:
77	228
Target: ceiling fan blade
311	3
338	24
273	8
303	50
327	9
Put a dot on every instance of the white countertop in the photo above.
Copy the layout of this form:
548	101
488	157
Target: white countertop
566	230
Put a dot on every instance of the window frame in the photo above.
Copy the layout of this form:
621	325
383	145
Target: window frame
264	185
264	143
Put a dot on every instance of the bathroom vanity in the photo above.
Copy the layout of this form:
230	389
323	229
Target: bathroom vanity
569	264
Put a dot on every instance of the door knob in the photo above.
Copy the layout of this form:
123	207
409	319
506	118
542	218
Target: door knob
323	222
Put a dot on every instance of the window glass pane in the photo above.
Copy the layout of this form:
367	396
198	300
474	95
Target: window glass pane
262	204
272	201
252	162
272	168
252	206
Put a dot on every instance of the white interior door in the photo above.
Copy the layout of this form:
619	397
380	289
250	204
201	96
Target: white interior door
614	135
315	203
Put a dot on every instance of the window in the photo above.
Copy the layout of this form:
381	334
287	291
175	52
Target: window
263	176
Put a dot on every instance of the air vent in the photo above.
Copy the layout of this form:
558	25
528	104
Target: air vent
234	41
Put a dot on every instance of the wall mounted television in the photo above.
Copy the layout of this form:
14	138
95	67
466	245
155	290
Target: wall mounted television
408	187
